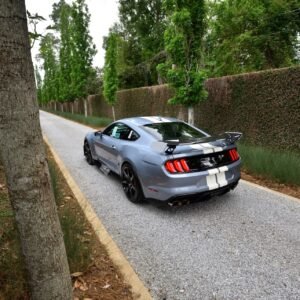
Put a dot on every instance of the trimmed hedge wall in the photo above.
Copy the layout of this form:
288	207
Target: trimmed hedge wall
265	106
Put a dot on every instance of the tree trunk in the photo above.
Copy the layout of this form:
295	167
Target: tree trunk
191	115
113	113
25	164
85	108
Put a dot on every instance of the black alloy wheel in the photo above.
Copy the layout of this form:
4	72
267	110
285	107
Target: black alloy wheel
87	153
131	184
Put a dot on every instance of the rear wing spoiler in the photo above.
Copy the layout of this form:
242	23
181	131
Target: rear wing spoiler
230	137
171	145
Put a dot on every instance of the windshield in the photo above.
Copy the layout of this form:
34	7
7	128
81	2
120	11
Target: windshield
178	131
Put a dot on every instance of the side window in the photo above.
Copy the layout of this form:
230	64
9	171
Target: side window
122	132
133	136
108	131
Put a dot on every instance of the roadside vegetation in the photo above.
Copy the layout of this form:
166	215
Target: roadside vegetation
95	122
281	166
93	274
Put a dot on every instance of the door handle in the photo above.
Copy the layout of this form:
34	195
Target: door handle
114	147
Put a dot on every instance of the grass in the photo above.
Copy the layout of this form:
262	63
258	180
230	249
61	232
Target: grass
282	167
13	284
95	122
72	224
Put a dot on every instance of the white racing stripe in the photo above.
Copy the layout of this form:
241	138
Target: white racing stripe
216	178
221	179
156	119
211	182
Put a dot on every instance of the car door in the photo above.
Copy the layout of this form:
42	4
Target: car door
109	146
105	146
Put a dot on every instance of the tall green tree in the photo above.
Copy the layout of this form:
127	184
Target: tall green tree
252	35
183	43
83	49
62	23
110	78
51	68
74	75
39	84
143	22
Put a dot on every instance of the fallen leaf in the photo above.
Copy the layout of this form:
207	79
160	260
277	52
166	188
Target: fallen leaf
77	284
83	287
76	274
106	286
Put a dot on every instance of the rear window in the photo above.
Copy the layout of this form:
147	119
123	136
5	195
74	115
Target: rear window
174	131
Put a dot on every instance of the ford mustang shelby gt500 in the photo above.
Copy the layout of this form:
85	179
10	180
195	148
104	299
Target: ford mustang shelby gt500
165	159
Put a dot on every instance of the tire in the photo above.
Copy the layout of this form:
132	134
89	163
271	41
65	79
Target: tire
131	184
87	153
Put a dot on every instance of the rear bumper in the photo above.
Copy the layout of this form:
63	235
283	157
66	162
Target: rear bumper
169	188
190	198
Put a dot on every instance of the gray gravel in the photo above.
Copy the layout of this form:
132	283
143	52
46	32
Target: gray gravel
243	245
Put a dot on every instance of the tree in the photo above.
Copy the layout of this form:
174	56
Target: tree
143	22
252	35
61	16
183	44
23	154
38	81
110	78
83	49
50	88
73	52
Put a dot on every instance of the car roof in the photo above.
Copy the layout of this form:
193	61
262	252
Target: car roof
140	121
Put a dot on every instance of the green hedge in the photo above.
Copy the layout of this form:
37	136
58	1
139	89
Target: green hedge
265	106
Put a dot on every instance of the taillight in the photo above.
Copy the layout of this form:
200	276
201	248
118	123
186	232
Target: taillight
177	166
233	154
170	167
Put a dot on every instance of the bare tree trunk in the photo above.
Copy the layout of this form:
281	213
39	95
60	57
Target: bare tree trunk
85	108
25	164
113	112
191	118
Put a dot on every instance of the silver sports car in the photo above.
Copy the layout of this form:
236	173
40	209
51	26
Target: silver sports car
165	159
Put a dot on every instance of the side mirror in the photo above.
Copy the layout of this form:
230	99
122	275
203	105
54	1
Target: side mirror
98	133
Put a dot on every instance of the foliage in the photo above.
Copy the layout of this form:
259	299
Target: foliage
38	80
143	22
110	79
72	224
96	122
62	18
73	52
83	49
283	167
51	68
140	41
183	42
253	35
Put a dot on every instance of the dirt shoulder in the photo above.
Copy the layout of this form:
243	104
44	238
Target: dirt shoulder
291	190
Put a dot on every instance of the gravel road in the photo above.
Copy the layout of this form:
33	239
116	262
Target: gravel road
243	245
